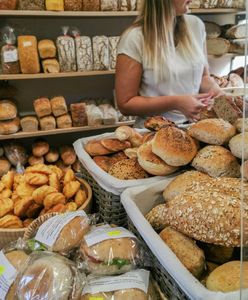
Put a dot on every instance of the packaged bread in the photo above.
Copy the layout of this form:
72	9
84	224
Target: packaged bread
46	49
40	148
42	107
109	251
209	3
110	5
49	276
10	126
101	52
5	166
127	5
225	3
58	105
8	4
50	65
66	52
31	5
8	110
57	5
73	5
47	123
78	114
28	54
9	53
29	124
64	121
94	115
238	145
110	115
68	155
15	153
91	5
84	53
113	43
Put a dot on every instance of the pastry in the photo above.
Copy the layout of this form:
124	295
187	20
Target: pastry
56	170
8	180
4	166
40	193
33	210
46	49
42	107
64	121
54	181
58	105
21	206
10	221
71	206
6	206
53	199
24	189
8	110
47	123
10	126
36	179
29	124
40	148
71	188
69	176
80	197
39	168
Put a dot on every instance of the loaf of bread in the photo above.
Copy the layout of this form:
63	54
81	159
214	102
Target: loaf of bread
213	30
110	5
66	53
236	32
67	155
84	53
46	49
42	107
239	145
29	124
10	126
209	3
8	4
28	54
64	121
194	4
157	122
115	145
217	46
237	46
40	148
91	5
5	166
8	110
73	5
101	52
57	5
113	43
110	115
50	66
34	160
127	5
59	106
31	5
78	114
47	123
216	161
94	148
124	133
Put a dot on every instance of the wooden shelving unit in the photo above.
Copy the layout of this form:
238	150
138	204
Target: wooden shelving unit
21	134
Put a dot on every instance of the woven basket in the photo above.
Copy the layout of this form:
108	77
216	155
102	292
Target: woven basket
10	235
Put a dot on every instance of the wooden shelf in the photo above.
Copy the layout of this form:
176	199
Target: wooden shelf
54	75
214	10
21	134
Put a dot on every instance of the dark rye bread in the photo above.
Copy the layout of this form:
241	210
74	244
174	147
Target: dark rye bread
227	109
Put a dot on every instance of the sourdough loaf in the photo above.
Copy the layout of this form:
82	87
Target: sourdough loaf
239	145
217	46
212	29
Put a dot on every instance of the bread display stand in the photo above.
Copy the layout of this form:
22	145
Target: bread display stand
106	188
173	278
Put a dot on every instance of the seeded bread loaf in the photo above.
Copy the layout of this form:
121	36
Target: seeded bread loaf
239	145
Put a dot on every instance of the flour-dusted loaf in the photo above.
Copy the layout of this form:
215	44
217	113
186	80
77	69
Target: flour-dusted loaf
113	43
78	114
8	110
42	107
111	5
217	46
50	65
66	53
239	145
241	124
91	5
84	53
58	106
47	123
212	131
101	52
127	5
28	54
46	49
175	146
29	124
216	161
213	30
236	32
10	126
64	121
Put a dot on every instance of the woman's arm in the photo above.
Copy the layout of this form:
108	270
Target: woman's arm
127	83
208	85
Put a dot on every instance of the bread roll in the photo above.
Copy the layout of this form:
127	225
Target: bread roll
151	163
47	123
131	152
95	148
34	160
212	131
239	145
123	133
10	126
59	106
217	254
157	122
216	161
115	145
76	166
46	49
40	148
213	30
29	124
68	155
174	146
64	121
50	65
52	156
244	169
8	110
104	162
42	107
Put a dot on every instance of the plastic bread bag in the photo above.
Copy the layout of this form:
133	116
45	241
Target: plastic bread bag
109	250
31	5
110	115
16	154
133	285
94	115
60	233
49	276
12	258
9	53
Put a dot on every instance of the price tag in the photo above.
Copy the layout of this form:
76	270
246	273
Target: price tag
10	56
27	44
96	298
2	270
7	275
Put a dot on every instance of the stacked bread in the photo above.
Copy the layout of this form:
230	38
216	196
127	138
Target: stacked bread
9	121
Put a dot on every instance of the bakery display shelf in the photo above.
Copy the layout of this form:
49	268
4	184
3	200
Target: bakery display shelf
54	75
215	10
231	55
21	134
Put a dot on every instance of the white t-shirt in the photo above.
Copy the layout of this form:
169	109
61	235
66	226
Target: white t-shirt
189	74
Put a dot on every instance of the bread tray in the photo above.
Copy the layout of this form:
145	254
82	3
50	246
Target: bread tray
173	278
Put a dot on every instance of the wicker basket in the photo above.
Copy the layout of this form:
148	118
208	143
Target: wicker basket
109	206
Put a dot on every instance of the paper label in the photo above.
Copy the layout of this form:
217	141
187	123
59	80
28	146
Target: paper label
102	233
27	44
50	230
7	275
138	279
10	56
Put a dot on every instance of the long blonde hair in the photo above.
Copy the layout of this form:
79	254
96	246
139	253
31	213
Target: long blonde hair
163	31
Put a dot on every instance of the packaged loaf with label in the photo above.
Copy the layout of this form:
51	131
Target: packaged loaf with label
66	52
31	5
8	4
73	5
101	52
9	53
113	43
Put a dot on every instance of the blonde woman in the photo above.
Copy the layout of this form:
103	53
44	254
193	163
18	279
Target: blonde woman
161	64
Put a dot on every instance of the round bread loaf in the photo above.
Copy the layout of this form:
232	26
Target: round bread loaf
151	163
40	148
4	166
33	160
239	124
174	146
244	169
8	110
212	131
237	143
226	278
17	258
216	161
52	156
10	126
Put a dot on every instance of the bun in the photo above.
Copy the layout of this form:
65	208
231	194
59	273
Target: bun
52	156
115	145
59	106
68	155
174	146
29	124
8	110
42	107
148	137
40	148
33	160
46	49
94	148
239	124
5	166
47	123
64	121
151	163
128	133
236	145
50	65
131	152
10	126
157	122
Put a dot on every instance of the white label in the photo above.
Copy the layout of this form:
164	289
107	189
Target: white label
7	275
138	279
27	44
102	233
10	56
50	230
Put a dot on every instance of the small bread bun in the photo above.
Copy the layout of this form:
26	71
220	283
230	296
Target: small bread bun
10	126
29	124
151	163
8	110
52	156
157	122
4	166
40	148
68	155
33	160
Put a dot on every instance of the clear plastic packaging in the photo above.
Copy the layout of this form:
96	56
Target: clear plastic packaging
94	115
110	115
8	4
9	54
31	5
49	276
83	51
16	154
